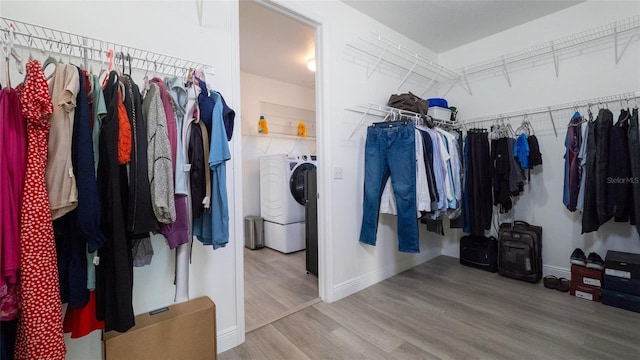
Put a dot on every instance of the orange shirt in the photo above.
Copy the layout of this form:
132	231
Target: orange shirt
124	132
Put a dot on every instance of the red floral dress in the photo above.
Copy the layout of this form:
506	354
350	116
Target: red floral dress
40	333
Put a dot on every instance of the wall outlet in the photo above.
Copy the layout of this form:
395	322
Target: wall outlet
337	172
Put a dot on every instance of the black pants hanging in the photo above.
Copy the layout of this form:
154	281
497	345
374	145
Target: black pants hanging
604	122
634	161
590	209
478	184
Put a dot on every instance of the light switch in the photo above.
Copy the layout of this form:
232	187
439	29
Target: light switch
337	172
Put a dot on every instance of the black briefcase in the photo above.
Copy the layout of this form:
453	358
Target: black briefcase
520	251
479	252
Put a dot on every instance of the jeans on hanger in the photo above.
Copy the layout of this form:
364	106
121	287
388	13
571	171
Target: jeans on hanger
390	151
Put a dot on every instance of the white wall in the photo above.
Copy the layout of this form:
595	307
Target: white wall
255	90
171	29
343	83
591	74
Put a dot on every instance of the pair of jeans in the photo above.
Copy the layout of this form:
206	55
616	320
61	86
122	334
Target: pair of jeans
390	151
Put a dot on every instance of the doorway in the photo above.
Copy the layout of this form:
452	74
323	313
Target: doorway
278	135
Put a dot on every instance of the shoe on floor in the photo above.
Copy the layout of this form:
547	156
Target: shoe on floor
563	285
594	261
578	257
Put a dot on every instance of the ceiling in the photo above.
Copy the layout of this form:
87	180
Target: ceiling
278	47
275	46
443	25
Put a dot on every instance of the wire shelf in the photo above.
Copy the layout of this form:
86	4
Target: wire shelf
623	27
622	98
387	112
381	50
26	35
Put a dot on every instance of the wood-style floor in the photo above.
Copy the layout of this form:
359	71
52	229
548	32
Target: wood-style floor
275	284
443	310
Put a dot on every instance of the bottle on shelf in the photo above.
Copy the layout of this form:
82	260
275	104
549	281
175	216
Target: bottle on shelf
302	129
262	126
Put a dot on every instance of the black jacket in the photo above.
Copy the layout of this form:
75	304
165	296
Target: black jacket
141	219
114	274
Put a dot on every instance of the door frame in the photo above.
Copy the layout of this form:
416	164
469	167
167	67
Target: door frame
325	284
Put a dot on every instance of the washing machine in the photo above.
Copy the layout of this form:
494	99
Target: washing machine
282	200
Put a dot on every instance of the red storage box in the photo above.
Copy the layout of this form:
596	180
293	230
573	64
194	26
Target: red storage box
585	291
586	276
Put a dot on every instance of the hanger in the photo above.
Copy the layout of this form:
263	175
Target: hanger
7	57
30	47
50	59
12	51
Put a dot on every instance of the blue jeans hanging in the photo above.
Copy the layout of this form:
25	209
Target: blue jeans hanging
390	151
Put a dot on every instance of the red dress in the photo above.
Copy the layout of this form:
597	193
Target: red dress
40	333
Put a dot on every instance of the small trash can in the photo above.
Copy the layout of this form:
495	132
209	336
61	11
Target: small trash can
253	232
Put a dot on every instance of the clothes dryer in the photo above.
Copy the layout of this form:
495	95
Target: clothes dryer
282	199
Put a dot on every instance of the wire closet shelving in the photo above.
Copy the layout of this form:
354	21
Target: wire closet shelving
25	35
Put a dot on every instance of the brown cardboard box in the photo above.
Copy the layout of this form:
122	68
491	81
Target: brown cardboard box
182	331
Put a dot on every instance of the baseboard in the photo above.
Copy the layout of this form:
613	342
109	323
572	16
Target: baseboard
356	284
228	338
556	271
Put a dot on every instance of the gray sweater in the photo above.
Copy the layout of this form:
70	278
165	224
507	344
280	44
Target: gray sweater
159	157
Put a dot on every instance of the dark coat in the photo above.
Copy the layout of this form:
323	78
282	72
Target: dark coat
141	219
114	274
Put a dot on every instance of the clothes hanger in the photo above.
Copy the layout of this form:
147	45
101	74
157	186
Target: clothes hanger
50	59
7	57
12	51
30	47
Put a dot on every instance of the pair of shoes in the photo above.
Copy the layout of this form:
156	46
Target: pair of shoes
578	257
560	284
593	261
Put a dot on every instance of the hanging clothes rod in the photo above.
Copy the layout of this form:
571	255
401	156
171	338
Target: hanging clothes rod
387	112
626	97
47	40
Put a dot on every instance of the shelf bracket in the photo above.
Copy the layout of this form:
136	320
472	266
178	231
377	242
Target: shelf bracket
451	87
555	59
552	122
200	9
428	86
466	81
408	73
375	66
364	115
619	56
506	72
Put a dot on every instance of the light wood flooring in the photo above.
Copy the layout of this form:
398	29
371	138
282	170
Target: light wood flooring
275	284
443	310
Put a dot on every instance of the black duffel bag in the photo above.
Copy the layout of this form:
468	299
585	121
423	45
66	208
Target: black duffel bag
480	252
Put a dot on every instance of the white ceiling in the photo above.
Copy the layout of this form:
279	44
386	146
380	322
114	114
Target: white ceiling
277	47
444	25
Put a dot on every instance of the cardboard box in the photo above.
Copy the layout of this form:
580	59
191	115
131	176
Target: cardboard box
182	331
584	291
586	276
622	264
624	285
